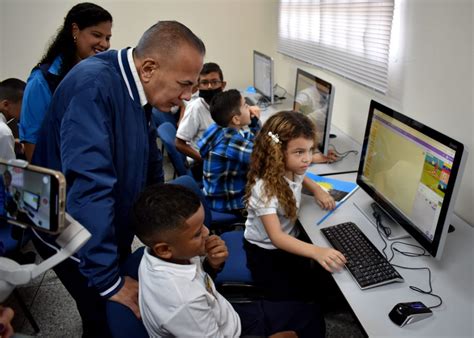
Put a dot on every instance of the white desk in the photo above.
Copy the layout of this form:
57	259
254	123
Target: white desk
342	143
452	277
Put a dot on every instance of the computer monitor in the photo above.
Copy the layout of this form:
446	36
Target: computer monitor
314	97
413	173
263	75
31	200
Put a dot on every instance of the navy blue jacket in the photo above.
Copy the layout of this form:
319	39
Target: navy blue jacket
97	133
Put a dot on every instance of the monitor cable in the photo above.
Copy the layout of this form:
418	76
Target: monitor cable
382	228
342	155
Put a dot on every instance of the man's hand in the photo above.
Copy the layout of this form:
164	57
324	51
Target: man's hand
216	251
128	295
6	316
254	111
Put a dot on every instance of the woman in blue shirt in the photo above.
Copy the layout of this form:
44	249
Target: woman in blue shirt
86	31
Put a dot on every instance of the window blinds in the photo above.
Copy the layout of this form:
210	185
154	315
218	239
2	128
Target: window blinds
348	37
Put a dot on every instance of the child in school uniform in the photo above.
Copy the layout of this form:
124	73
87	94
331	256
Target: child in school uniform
279	253
177	296
226	147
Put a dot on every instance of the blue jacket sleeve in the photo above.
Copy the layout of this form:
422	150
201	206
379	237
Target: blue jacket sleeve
87	161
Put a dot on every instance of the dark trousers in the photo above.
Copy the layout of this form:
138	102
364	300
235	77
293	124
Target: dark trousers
263	318
90	304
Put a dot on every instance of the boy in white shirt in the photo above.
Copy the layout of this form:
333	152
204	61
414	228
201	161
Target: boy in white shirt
197	117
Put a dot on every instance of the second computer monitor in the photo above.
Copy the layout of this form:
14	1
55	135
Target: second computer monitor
314	97
263	75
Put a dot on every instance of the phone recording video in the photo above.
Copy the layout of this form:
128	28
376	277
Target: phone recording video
32	196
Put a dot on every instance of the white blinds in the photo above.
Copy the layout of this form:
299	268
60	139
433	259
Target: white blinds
348	37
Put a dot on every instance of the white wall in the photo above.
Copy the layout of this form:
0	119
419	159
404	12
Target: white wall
431	77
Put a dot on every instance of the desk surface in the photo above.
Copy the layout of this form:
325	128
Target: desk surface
452	277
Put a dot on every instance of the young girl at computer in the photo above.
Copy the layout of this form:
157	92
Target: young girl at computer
277	248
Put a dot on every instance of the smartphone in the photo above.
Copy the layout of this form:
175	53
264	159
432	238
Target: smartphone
32	196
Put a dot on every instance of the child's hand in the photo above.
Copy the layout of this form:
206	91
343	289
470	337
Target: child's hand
254	111
216	251
324	200
330	259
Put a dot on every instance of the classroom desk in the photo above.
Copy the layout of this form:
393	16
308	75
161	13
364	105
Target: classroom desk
452	277
341	143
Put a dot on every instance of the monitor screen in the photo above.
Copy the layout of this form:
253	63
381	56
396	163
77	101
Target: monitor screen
412	172
314	98
263	75
31	200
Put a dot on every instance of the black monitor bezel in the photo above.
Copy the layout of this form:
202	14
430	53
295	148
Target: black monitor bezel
441	228
270	98
327	126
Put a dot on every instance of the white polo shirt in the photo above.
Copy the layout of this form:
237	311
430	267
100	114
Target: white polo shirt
197	118
182	301
258	206
7	142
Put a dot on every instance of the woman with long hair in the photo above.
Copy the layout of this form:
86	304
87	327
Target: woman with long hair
86	31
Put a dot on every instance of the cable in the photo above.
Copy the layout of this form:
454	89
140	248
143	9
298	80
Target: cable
393	249
276	86
341	156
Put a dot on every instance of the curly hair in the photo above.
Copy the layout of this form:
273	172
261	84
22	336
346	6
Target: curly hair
84	15
268	157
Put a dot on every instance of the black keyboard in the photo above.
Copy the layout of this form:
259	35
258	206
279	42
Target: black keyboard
366	264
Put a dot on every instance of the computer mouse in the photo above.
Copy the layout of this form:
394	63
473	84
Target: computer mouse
407	313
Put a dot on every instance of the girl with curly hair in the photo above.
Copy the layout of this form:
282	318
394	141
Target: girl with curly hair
277	249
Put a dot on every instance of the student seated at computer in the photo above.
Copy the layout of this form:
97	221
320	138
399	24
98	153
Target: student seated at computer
279	254
177	296
197	117
226	148
313	103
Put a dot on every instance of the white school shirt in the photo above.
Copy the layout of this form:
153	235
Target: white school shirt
197	118
258	206
7	142
174	301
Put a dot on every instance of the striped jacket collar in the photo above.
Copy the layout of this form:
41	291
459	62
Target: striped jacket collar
130	75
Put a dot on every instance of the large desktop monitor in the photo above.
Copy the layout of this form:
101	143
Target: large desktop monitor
263	76
413	173
314	97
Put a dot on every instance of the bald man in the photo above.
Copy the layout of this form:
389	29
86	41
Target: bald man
99	133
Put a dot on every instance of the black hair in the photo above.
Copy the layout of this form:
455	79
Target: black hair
12	89
160	208
224	106
212	67
84	15
165	37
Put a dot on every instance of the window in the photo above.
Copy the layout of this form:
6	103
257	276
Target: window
348	37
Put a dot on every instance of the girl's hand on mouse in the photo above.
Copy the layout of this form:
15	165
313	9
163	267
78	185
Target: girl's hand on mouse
216	251
330	259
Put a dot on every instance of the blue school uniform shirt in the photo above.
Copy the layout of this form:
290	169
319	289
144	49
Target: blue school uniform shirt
97	133
226	153
36	100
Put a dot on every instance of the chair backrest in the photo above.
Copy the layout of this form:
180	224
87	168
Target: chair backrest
160	117
167	134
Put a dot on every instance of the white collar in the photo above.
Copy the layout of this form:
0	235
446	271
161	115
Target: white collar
188	271
3	118
136	78
298	179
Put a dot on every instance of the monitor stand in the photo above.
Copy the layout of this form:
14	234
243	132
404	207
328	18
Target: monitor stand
397	232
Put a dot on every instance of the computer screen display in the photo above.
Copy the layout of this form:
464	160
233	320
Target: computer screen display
31	200
412	172
263	75
314	97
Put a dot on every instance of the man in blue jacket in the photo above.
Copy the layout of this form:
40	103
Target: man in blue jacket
98	133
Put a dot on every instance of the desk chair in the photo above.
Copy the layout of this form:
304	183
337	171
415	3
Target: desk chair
167	134
121	320
160	117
